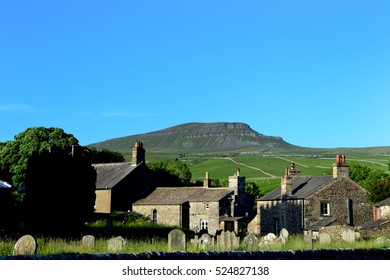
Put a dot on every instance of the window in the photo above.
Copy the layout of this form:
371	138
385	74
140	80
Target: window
325	208
154	215
204	225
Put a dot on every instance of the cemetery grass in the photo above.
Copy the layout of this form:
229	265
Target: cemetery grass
58	246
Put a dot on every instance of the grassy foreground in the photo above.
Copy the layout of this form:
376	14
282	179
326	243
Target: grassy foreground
53	246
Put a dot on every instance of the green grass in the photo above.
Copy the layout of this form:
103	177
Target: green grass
54	246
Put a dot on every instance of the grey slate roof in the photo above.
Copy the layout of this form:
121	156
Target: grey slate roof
175	196
322	223
110	174
302	187
385	202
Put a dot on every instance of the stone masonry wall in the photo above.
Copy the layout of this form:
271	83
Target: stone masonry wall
337	193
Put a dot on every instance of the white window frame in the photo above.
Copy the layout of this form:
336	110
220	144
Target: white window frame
325	208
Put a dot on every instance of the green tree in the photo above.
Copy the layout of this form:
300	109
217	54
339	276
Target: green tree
15	154
379	189
375	181
104	155
60	192
170	173
254	191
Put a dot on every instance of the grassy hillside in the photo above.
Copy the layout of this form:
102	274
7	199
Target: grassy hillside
221	148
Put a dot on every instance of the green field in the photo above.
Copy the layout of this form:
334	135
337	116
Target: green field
266	171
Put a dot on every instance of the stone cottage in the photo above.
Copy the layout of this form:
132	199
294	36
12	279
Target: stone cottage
118	185
304	203
201	209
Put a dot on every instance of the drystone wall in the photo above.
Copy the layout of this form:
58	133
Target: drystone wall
357	254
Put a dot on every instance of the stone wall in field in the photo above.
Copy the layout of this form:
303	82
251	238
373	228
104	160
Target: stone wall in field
356	254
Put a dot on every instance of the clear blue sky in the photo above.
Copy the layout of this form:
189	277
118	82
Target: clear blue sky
316	73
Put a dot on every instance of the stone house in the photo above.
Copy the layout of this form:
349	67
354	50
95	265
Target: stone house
382	210
200	209
118	185
304	203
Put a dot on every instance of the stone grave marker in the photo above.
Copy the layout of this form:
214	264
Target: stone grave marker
88	241
251	241
235	240
309	239
228	241
116	244
283	236
221	241
325	238
206	241
26	245
348	235
176	240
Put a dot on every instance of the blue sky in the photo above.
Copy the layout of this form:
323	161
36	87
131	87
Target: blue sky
316	73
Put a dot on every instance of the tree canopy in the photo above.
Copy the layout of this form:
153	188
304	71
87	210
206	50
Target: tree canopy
60	192
375	181
15	154
170	173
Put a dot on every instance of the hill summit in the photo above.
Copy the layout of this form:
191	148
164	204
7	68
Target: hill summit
197	138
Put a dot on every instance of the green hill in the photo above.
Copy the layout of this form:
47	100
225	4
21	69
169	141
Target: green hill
222	138
199	138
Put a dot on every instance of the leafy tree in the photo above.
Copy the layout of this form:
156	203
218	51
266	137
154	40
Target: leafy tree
104	155
170	173
254	191
60	192
375	181
379	189
15	154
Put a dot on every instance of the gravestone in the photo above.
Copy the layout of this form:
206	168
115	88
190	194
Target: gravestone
206	241
26	245
228	241
221	241
382	240
176	241
283	236
309	239
235	240
116	244
348	235
88	241
251	241
325	238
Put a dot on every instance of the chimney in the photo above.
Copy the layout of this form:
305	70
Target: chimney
340	168
207	181
293	171
138	154
286	184
237	183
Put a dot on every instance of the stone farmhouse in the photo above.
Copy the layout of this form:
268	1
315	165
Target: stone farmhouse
200	209
118	185
304	203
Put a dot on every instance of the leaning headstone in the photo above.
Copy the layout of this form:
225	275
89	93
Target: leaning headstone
283	236
116	244
251	241
325	238
176	241
88	241
206	241
26	245
348	235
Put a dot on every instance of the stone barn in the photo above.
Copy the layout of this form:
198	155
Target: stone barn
304	203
